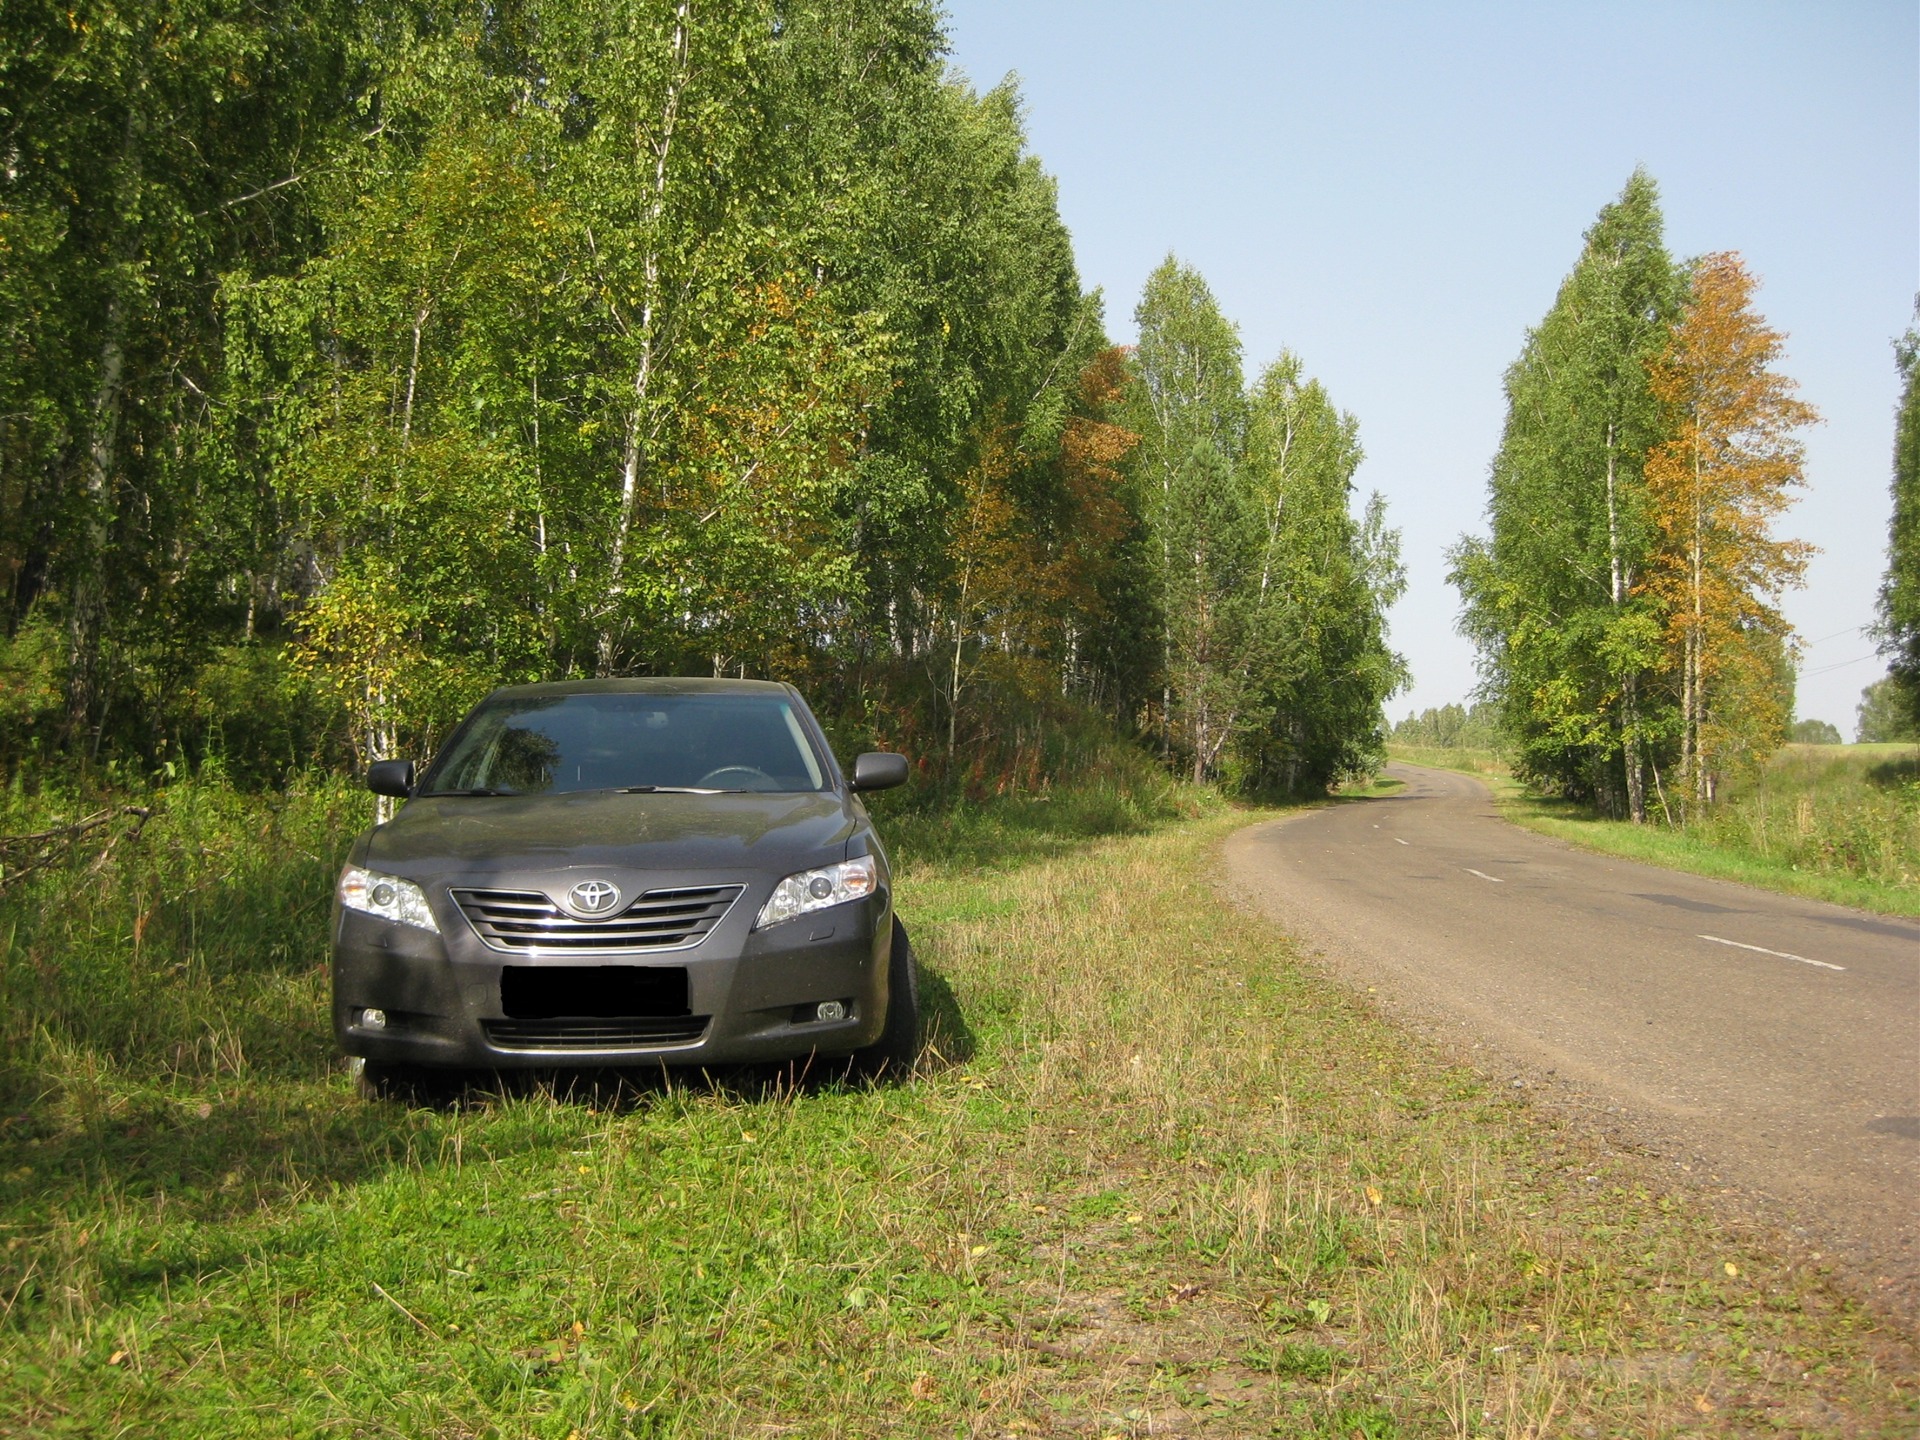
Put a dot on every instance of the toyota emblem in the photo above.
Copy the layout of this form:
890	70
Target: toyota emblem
593	897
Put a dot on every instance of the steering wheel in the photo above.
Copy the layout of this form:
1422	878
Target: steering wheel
720	779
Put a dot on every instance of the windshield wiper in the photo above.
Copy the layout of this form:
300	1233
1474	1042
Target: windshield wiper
458	794
665	790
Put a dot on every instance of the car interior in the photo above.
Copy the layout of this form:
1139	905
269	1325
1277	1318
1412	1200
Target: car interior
615	742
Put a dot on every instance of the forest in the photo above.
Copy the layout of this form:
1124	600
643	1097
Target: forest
359	359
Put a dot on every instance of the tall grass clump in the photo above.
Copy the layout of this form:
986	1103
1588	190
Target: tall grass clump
1828	809
193	947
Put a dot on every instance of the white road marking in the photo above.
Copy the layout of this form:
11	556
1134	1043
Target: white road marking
1741	945
1483	875
1398	841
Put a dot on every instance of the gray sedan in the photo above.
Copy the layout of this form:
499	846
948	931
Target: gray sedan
624	872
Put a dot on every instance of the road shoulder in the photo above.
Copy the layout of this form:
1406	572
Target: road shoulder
1564	1096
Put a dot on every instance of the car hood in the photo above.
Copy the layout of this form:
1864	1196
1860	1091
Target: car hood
735	834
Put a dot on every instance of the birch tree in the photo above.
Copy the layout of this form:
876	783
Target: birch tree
1715	489
147	147
1326	580
1899	610
1188	405
1549	597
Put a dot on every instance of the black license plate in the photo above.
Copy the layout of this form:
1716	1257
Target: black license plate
592	992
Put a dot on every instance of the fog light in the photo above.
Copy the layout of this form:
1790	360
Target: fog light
371	1019
830	1010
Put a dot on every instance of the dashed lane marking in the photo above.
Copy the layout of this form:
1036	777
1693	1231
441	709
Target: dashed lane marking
1483	875
1398	841
1784	955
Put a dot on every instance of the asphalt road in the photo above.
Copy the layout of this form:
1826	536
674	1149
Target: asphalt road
1773	1040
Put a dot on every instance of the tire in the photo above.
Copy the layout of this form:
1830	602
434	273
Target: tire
893	1054
379	1080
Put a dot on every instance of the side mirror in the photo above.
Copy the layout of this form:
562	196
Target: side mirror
391	777
879	770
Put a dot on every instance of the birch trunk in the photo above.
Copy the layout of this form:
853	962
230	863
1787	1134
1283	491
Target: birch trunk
382	742
634	456
1629	689
88	616
413	376
90	584
1693	704
959	639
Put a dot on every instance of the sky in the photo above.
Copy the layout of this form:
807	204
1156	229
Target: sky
1394	191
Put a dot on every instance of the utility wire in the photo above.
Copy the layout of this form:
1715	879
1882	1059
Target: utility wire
1840	665
1850	630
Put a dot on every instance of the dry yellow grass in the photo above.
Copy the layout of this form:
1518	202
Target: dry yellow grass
1245	1204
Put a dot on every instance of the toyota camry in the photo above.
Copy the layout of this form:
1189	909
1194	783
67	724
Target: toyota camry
624	872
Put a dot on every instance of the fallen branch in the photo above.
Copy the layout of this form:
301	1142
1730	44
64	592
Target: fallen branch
24	855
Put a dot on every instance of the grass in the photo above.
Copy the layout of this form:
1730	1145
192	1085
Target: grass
1471	762
1839	823
1368	787
1157	1177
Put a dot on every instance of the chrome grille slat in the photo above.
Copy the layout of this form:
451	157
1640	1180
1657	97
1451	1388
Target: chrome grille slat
527	921
528	917
578	1035
544	926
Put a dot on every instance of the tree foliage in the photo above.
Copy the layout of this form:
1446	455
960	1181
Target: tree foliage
357	360
1899	617
1882	716
1326	582
1272	596
1566	645
1623	604
151	147
1814	732
1715	487
1451	727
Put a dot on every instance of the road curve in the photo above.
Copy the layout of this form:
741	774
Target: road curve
1777	1039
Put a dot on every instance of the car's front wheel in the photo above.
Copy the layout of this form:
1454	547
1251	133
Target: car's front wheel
386	1080
893	1054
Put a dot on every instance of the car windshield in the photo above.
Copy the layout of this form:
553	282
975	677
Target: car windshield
614	741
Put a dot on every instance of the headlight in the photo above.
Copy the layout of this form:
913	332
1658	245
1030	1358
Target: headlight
817	889
400	901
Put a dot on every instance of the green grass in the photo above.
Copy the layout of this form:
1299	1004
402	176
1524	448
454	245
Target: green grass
1372	785
1832	822
1158	1175
1471	762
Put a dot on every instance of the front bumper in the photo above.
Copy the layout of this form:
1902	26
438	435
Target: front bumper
749	994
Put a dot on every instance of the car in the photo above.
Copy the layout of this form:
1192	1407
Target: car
631	872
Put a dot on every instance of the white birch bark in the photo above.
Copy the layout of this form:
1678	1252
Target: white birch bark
1629	703
633	457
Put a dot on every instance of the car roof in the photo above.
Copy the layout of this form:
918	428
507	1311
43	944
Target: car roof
646	685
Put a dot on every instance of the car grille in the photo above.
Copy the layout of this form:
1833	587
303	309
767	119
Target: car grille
594	1034
526	920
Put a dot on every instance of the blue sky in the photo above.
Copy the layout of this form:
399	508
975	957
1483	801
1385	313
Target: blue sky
1395	190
